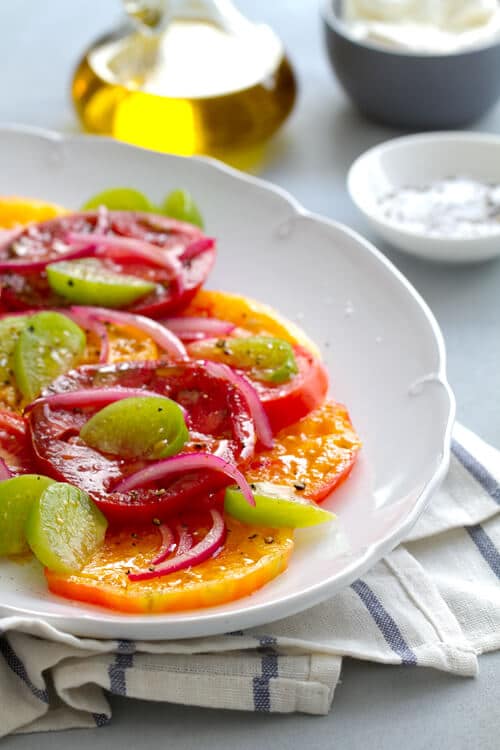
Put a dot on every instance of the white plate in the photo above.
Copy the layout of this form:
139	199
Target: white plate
418	160
382	346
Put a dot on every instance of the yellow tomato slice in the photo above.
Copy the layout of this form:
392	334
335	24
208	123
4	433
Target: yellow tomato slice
247	313
250	558
315	454
16	211
126	344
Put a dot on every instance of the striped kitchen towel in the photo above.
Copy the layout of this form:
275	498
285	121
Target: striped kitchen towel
434	601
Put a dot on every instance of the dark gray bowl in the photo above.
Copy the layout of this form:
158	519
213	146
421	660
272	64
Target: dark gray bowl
412	90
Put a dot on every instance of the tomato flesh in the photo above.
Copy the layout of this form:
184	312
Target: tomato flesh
286	403
46	240
250	558
15	447
217	416
312	456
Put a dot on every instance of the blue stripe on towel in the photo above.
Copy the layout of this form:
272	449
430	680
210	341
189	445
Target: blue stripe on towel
17	666
385	623
269	670
486	547
124	659
478	471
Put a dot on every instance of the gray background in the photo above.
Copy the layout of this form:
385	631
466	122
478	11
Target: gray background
375	707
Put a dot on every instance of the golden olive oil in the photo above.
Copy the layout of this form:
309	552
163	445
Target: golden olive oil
192	90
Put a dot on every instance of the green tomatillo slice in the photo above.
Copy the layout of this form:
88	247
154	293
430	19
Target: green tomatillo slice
276	506
179	204
150	427
64	528
17	496
89	282
49	345
10	329
119	199
266	358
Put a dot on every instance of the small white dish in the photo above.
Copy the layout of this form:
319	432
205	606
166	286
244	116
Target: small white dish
381	344
418	160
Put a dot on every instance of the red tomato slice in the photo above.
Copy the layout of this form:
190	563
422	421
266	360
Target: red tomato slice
217	415
15	448
286	403
46	240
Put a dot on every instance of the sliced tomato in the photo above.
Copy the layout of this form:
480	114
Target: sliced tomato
251	557
15	447
47	240
250	315
314	455
286	403
217	415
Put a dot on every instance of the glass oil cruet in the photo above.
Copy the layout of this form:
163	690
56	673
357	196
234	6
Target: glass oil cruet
187	77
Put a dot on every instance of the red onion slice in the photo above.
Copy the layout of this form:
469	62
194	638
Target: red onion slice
165	339
197	248
33	266
128	247
183	463
167	543
5	472
184	544
195	329
208	546
88	397
262	426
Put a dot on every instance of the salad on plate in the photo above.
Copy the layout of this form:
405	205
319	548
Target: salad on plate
159	442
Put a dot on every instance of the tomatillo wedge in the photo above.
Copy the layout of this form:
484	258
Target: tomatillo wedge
275	506
149	427
266	358
10	329
17	495
179	204
119	199
64	528
89	282
49	345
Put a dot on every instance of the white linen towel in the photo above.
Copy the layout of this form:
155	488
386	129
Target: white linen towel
434	602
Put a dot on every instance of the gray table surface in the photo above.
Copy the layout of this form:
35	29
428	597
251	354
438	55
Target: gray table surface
375	707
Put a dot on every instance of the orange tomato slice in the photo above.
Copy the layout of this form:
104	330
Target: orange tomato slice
247	313
315	454
126	344
250	558
16	211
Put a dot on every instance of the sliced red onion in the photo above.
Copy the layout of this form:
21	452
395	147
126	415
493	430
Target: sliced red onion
208	546
197	248
5	472
128	247
183	463
185	541
262	426
94	325
165	339
88	397
167	543
195	329
33	266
